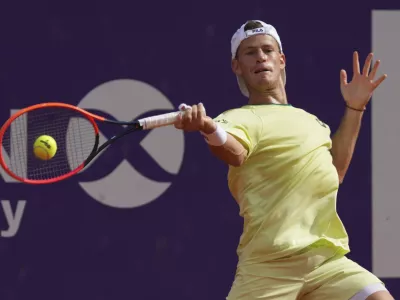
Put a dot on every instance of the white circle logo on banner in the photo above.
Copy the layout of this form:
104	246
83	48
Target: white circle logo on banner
125	187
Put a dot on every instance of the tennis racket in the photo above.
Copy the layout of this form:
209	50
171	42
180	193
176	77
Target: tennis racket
75	132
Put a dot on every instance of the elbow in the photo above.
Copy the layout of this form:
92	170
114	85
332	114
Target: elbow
341	169
341	175
232	158
237	160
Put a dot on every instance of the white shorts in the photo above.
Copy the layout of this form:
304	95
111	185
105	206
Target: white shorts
368	291
317	274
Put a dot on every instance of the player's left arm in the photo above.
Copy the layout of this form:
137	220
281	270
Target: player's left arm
344	141
356	94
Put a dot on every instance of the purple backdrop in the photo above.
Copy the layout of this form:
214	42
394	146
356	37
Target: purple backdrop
159	234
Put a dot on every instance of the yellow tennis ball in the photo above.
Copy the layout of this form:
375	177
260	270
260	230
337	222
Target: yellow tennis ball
45	147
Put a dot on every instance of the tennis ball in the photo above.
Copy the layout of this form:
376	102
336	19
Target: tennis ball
45	147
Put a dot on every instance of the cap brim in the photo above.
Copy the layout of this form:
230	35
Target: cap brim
243	87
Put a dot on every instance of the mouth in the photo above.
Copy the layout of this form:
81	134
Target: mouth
262	70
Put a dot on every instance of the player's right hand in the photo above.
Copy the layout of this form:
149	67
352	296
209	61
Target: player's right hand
194	118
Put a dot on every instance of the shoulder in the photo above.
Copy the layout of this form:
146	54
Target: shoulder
242	124
315	118
241	115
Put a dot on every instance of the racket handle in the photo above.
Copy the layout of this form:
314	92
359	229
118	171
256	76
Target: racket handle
159	120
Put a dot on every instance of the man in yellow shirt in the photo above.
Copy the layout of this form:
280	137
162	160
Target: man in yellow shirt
284	173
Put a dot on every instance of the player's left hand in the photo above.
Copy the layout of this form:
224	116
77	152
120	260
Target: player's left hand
358	91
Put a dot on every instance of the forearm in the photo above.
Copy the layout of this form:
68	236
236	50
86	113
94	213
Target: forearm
232	152
344	141
223	145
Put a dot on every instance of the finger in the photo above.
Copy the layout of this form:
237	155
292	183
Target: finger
194	112
356	64
379	81
367	64
178	125
374	70
343	77
186	116
178	122
201	111
183	107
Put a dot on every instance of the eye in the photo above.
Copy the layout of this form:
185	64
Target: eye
251	52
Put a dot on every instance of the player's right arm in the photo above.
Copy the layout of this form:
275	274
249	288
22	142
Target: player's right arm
231	152
222	144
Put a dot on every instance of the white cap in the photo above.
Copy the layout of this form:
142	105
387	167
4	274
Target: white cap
241	35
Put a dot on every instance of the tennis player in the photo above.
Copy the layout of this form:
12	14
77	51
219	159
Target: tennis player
284	172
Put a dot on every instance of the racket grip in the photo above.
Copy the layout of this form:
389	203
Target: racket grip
159	120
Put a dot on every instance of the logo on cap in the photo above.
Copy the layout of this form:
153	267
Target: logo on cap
254	31
258	30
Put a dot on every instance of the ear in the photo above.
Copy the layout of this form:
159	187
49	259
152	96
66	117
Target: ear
236	67
282	60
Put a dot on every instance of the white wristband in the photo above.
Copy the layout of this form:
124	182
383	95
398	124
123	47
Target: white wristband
217	138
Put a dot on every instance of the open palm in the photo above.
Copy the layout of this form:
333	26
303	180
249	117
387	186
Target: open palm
358	91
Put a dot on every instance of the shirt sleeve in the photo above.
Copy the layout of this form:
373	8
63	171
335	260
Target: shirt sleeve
244	126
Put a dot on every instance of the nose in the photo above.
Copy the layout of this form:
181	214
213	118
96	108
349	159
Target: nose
261	56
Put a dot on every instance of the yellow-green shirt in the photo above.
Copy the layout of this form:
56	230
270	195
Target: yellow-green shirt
287	187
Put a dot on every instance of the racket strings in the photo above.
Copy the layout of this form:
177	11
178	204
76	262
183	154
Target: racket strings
74	135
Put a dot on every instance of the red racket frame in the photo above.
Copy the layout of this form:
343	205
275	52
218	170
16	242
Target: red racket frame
91	117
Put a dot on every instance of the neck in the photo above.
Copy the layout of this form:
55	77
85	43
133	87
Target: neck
274	96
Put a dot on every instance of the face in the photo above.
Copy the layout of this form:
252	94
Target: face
259	62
